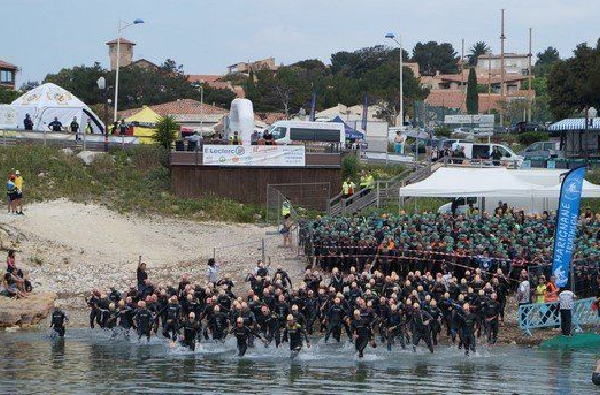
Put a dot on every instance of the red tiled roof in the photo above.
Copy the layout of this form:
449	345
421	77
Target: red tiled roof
203	78
269	117
179	107
6	65
122	41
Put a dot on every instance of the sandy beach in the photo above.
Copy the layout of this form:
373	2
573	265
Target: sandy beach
70	248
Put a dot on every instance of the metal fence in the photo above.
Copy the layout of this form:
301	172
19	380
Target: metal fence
304	198
547	315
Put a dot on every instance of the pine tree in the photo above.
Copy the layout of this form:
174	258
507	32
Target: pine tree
472	97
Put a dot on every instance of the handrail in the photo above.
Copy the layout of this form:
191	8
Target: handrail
547	315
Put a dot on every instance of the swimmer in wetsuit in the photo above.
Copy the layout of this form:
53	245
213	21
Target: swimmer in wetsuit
145	321
361	332
242	334
58	320
294	332
191	331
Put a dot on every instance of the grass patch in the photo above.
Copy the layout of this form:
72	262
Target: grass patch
134	181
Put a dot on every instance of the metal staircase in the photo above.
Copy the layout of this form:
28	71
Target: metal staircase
385	192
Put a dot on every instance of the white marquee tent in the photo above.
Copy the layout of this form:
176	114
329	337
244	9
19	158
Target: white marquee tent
43	104
534	190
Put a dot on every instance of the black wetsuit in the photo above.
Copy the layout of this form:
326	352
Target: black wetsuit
434	324
492	314
103	306
145	323
361	329
311	312
467	324
295	332
219	325
95	312
395	326
243	334
335	316
421	330
269	327
171	325
191	329
58	322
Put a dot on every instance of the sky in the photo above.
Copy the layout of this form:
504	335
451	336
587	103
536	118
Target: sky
44	36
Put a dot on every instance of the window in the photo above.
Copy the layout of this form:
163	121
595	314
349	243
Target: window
6	76
278	133
481	151
548	146
324	135
504	152
535	147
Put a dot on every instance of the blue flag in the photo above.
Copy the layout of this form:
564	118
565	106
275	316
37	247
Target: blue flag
565	232
365	111
313	107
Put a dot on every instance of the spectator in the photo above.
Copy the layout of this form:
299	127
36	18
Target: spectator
11	191
142	276
567	301
74	128
212	271
27	122
56	125
496	156
19	193
540	291
398	140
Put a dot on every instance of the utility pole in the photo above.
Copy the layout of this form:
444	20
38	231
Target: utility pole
529	80
490	83
462	76
502	70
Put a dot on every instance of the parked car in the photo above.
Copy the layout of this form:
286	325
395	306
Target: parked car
542	149
527	127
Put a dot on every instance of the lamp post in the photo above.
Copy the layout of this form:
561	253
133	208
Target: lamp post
102	86
120	28
398	41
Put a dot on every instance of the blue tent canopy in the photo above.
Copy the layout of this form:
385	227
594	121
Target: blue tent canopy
574	124
351	133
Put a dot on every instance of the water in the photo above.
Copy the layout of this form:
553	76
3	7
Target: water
89	362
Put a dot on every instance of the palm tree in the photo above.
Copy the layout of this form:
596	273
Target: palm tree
479	48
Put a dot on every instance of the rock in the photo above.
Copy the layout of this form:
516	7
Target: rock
174	208
12	329
89	156
67	151
41	175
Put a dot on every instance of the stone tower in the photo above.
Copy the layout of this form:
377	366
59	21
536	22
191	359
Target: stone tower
125	51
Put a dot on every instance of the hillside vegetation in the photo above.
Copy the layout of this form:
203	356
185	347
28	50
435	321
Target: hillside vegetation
137	181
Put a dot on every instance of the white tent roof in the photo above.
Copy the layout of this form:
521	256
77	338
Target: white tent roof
493	182
49	95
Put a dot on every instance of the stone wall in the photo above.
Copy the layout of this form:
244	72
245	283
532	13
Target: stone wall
26	312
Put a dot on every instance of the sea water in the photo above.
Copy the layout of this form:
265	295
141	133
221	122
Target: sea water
89	362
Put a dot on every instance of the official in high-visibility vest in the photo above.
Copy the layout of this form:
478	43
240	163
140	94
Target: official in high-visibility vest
370	181
363	180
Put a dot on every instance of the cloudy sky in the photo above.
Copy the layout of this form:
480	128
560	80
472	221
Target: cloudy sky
43	36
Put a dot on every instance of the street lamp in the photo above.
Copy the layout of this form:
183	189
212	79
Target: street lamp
120	28
398	41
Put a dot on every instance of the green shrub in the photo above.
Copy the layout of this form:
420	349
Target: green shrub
528	138
443	131
350	166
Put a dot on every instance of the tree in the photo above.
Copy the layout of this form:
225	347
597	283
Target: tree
81	81
549	56
7	96
472	95
545	61
217	97
356	64
479	48
165	129
574	84
29	85
433	57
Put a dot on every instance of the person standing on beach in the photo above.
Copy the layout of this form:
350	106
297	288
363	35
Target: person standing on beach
75	128
212	271
19	194
11	191
567	300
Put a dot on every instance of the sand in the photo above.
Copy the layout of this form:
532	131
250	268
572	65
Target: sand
70	248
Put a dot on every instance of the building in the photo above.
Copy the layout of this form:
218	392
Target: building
8	75
245	67
414	66
143	64
214	82
514	64
458	82
125	52
187	112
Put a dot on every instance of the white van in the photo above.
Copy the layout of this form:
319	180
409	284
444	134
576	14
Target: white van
484	151
285	132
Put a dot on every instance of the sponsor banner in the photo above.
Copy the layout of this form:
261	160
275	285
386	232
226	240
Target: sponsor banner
254	155
465	118
565	233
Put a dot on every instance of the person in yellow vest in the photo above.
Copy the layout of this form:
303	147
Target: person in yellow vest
348	188
540	291
370	182
19	195
234	139
364	182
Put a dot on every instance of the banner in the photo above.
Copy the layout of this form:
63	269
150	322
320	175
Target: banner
565	233
365	111
254	155
313	107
